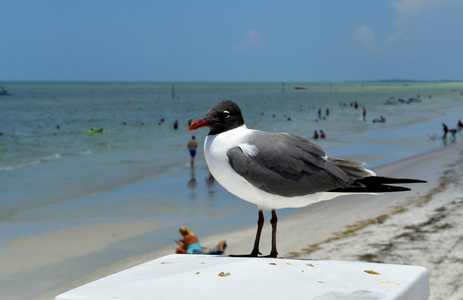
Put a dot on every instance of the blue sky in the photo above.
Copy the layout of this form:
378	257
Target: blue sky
302	41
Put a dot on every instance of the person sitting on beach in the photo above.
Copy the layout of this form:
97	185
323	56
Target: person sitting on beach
190	244
379	120
315	135
219	249
322	134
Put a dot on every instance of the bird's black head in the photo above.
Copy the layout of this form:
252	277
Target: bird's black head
221	117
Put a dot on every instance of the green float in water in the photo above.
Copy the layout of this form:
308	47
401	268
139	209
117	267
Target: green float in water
96	131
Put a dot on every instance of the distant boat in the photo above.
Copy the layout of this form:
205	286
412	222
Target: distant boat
300	87
4	92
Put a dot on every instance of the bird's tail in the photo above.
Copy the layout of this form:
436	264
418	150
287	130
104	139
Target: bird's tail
377	184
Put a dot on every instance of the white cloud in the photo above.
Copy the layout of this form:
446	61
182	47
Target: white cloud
251	39
364	39
411	26
411	22
409	13
414	7
365	36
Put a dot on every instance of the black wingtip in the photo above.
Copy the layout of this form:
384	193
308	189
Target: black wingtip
389	180
371	189
378	184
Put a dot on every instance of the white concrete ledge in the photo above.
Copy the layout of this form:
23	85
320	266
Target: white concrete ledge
220	277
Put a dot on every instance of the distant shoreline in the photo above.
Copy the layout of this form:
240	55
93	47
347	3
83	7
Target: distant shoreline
5	82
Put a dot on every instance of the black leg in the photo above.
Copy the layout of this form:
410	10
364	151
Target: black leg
260	224
273	221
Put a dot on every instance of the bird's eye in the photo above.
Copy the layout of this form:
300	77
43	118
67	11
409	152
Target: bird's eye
226	114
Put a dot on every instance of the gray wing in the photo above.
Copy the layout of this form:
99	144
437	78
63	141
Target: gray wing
287	165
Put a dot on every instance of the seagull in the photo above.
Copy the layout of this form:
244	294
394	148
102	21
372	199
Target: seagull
279	170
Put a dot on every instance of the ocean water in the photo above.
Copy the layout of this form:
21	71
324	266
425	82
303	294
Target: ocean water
55	174
41	164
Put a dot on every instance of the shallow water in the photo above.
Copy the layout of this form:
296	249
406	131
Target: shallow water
41	165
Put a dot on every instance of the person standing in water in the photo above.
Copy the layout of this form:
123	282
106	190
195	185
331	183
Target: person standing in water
192	146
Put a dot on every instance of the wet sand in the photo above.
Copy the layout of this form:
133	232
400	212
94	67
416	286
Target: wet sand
421	227
40	250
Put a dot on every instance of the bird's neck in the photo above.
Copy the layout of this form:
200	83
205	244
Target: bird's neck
218	130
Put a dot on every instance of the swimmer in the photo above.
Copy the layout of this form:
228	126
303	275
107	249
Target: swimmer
192	146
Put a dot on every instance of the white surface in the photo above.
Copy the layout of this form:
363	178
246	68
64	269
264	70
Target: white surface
199	277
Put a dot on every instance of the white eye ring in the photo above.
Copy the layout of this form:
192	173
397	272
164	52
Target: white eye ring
228	114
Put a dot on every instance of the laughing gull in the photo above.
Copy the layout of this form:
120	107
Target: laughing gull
279	170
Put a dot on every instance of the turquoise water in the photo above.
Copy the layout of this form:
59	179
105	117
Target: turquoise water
40	164
54	178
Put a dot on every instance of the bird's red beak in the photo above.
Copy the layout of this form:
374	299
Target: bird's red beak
198	124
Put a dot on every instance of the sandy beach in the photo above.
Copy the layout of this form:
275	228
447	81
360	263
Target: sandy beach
420	227
64	244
